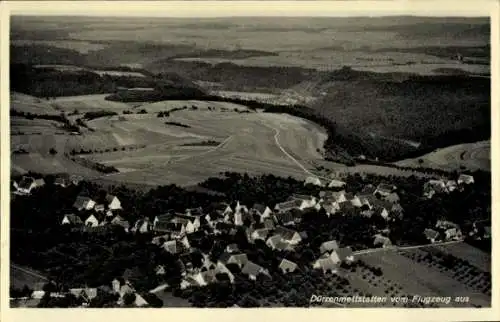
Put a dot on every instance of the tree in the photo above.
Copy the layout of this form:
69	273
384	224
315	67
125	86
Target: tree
52	151
129	299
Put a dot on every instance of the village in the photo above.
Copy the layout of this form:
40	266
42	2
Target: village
275	226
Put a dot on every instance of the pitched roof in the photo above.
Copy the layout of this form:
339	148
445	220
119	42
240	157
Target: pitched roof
259	207
381	240
338	194
431	233
313	180
385	188
287	265
382	204
297	196
465	178
345	206
81	202
328	246
194	212
74	219
392	197
261	233
368	189
26	182
269	223
349	196
285	233
336	184
251	268
326	263
288	205
173	246
110	198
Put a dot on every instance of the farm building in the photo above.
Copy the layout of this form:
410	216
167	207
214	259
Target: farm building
259	234
326	264
94	220
277	242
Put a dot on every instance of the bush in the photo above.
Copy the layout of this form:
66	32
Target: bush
52	151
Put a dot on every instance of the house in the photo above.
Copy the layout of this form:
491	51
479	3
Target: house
314	181
287	266
354	200
262	210
290	217
142	226
328	246
173	247
339	196
276	242
326	264
288	235
259	234
83	203
85	294
445	224
119	221
95	220
253	270
382	208
190	223
368	200
392	198
62	180
289	205
465	179
239	259
309	201
381	241
368	189
453	234
347	207
269	223
434	186
113	202
336	184
71	219
27	184
384	189
194	212
331	209
431	235
451	185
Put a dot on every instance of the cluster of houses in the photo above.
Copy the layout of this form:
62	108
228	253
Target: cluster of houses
119	286
276	226
441	186
26	184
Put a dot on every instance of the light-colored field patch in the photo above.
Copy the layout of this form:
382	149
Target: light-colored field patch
469	155
87	103
473	255
83	47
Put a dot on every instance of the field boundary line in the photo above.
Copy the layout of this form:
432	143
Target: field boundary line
376	250
28	271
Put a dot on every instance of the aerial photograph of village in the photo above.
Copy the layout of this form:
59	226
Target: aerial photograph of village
241	162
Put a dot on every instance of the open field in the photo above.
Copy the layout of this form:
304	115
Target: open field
20	276
30	104
148	151
473	255
470	155
412	277
247	145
